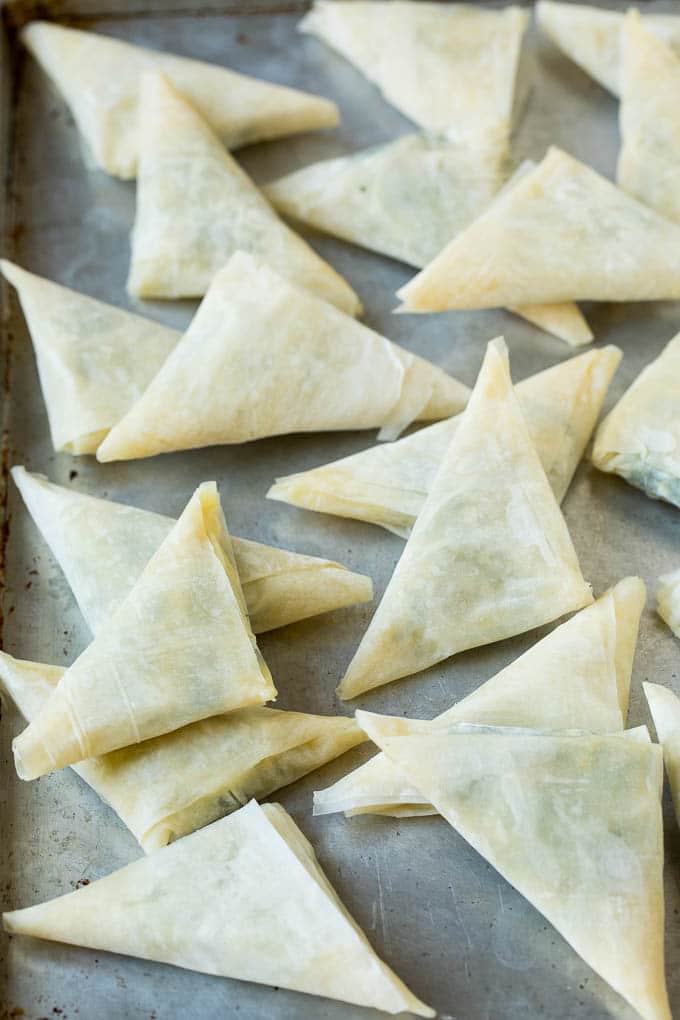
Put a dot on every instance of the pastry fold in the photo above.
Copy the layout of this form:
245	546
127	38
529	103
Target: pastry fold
167	787
99	79
263	358
578	677
407	199
573	822
489	556
103	547
640	438
243	898
649	119
664	706
196	207
94	360
611	247
177	650
387	484
451	69
591	37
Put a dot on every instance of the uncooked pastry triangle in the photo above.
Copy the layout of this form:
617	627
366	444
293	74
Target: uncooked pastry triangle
168	786
387	484
561	233
99	78
243	898
574	824
407	199
489	555
94	360
578	677
640	437
263	358
196	207
665	708
649	159
591	37
450	68
177	650
103	547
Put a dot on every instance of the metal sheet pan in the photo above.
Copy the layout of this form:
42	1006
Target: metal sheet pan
449	925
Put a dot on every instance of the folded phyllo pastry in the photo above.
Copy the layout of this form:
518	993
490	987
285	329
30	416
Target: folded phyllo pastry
177	650
102	548
649	160
387	484
664	706
573	822
168	786
611	247
407	199
243	898
264	358
489	556
591	37
94	360
99	78
640	438
668	600
196	207
578	677
451	68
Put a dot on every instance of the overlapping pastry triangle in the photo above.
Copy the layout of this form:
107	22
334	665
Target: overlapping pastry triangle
611	247
649	160
640	438
100	77
576	678
177	650
450	68
94	360
665	708
574	823
168	786
388	484
196	207
103	547
489	555
242	898
264	358
407	199
591	37
668	600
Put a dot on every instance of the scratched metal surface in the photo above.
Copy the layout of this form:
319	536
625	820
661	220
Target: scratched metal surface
449	925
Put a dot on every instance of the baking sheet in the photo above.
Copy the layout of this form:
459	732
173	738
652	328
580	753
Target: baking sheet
456	932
